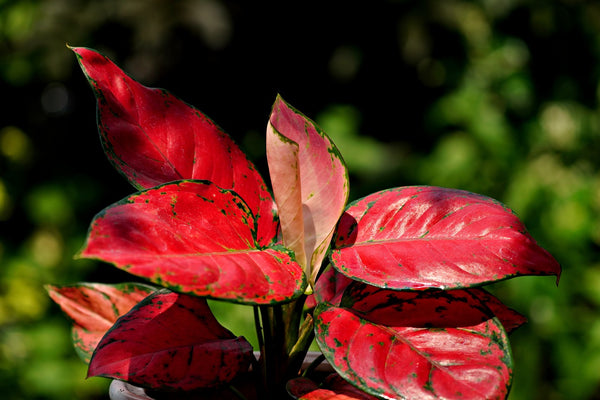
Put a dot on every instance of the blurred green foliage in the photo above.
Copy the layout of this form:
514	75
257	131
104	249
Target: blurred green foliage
499	97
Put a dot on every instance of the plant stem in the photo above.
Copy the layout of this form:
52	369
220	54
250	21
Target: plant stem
237	392
268	356
313	365
259	329
283	342
300	348
260	368
280	355
293	316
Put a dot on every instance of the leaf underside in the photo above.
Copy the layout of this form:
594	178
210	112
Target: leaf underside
171	341
195	238
433	307
431	237
94	308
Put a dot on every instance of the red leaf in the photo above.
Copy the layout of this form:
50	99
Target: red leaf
425	237
310	184
334	388
368	299
339	385
330	287
509	318
298	387
196	238
94	308
171	341
417	345
152	138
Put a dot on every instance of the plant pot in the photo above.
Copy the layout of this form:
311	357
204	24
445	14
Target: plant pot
120	390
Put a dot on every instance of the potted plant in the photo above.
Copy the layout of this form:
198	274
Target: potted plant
389	286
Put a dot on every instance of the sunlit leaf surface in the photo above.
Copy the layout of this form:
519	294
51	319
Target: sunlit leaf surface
431	237
152	138
197	238
416	345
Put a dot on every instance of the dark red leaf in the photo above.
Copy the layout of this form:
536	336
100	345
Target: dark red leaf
330	286
416	345
334	388
509	318
339	385
298	387
430	308
171	341
94	308
153	138
430	237
196	238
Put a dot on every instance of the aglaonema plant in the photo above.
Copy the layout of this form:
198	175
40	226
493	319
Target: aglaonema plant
389	286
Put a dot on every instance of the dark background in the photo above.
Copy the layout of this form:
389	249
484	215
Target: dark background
498	97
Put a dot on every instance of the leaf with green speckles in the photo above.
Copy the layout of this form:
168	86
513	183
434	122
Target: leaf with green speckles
94	308
430	237
171	341
152	138
444	305
417	344
310	183
194	237
330	287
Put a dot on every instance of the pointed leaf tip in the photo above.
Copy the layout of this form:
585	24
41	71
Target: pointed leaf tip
94	308
152	137
429	237
310	183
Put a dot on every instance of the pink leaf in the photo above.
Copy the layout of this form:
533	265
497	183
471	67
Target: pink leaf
196	238
425	237
152	138
171	341
417	345
94	308
310	184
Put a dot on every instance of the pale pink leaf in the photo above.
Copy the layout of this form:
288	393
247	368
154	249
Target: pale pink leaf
310	183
